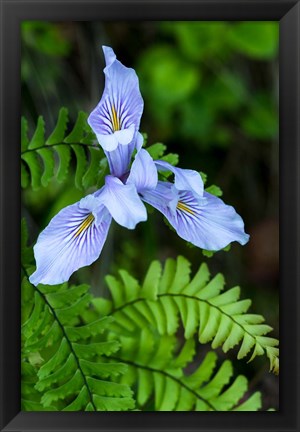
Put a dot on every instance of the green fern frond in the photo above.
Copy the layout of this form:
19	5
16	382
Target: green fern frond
44	159
169	297
85	353
163	385
74	369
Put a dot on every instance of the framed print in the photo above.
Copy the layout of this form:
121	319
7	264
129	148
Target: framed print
154	219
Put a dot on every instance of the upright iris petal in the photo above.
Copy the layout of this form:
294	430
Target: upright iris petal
116	118
73	239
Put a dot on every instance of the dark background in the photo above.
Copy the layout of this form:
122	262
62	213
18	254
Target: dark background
211	95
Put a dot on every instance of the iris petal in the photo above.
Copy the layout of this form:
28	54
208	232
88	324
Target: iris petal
117	116
143	173
73	239
164	198
119	159
185	179
123	202
206	222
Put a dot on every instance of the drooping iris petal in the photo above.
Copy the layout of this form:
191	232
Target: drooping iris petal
123	202
206	222
143	173
185	179
73	239
116	118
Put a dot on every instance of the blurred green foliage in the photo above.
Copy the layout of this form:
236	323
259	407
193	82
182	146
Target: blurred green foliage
45	38
192	80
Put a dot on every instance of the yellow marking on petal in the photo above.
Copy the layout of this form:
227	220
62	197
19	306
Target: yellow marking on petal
85	224
182	206
115	120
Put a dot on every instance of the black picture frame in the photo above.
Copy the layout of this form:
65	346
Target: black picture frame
287	12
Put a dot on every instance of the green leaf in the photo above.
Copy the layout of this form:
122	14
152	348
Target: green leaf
103	370
145	387
77	133
151	281
87	351
64	155
48	161
171	158
69	388
80	166
87	331
251	404
156	150
105	403
66	314
38	138
214	190
55	361
67	296
80	402
90	177
66	371
34	165
57	136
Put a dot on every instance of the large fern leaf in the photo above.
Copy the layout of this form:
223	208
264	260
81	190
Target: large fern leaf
169	297
84	353
44	159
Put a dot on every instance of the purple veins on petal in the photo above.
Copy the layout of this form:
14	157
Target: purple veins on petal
116	118
73	239
206	222
119	159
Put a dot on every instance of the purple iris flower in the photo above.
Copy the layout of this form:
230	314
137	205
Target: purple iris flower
75	237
